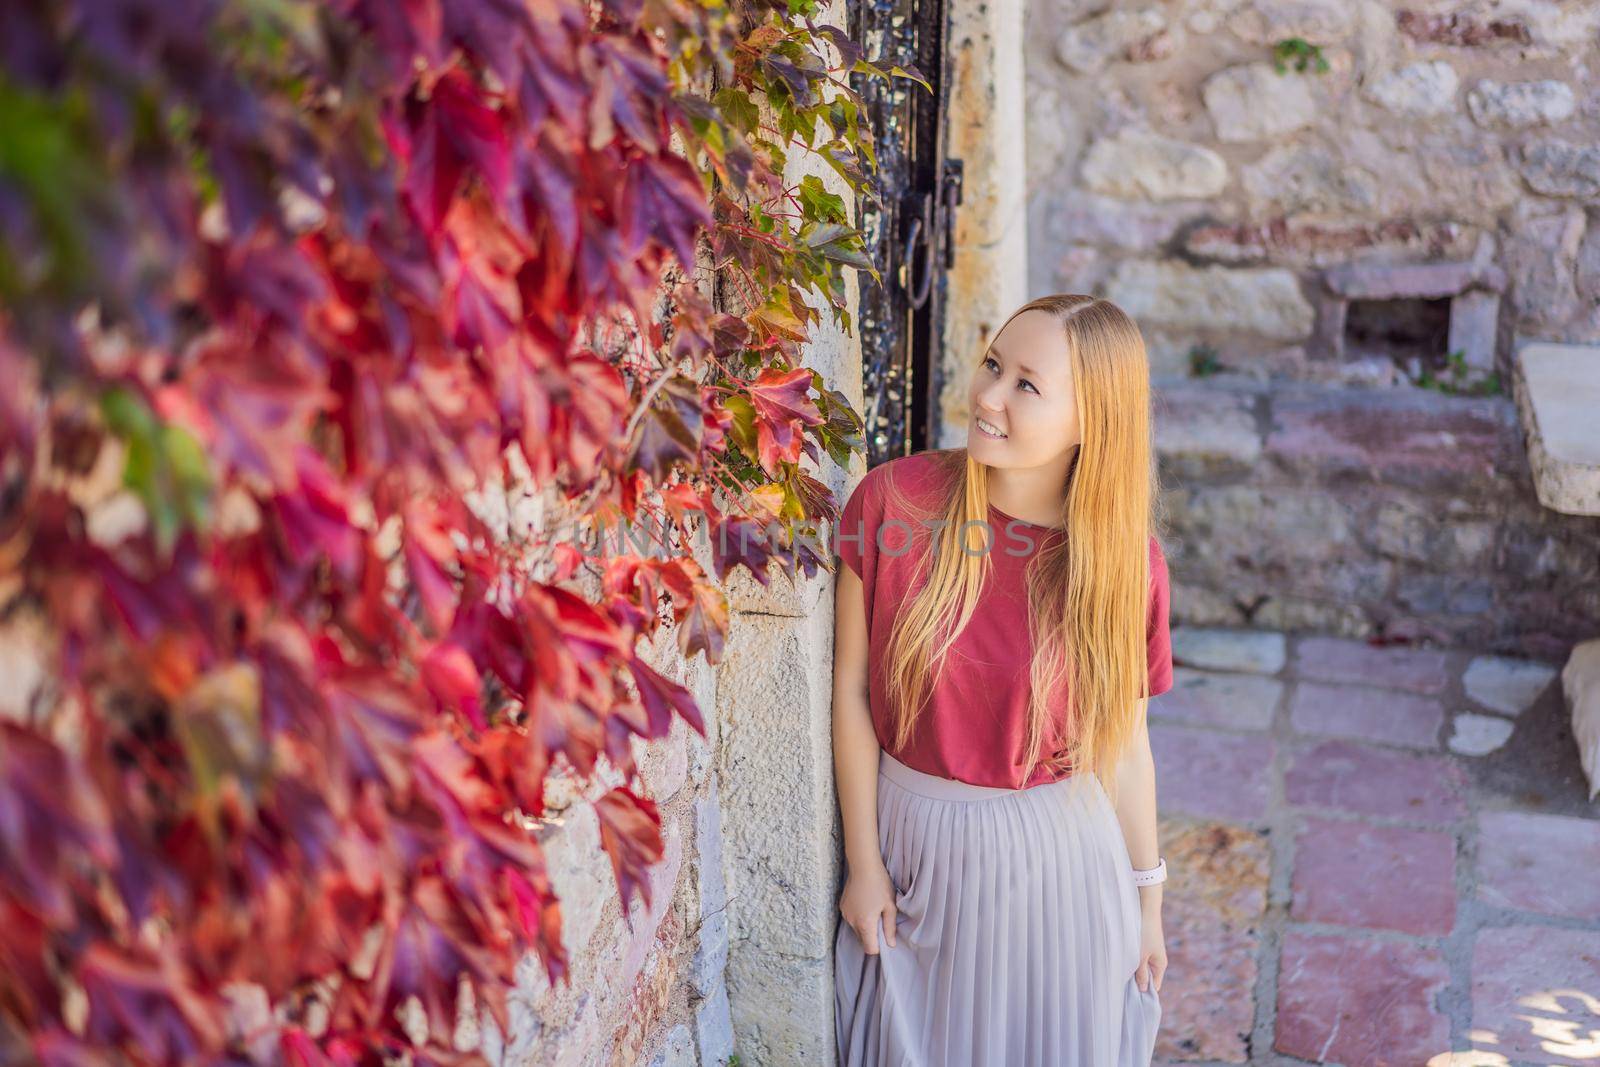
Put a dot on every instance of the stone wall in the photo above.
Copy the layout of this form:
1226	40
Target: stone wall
738	938
649	988
735	955
1304	250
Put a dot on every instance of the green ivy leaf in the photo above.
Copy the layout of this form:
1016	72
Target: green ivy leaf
166	467
820	204
737	107
743	430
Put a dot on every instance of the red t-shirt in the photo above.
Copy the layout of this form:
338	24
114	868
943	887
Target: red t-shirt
973	727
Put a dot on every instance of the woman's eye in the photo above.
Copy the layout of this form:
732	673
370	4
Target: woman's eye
1020	381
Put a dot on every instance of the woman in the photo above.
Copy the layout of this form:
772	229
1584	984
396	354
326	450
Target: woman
1002	901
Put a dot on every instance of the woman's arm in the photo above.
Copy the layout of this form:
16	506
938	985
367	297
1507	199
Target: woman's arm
1136	798
1136	812
855	745
869	893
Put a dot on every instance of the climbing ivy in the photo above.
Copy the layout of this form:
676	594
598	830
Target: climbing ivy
291	293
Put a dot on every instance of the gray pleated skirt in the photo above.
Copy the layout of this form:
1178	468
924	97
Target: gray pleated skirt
1017	934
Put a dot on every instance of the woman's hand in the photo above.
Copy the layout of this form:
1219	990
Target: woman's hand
1152	947
869	896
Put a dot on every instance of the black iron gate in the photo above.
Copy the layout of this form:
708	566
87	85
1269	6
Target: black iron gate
910	237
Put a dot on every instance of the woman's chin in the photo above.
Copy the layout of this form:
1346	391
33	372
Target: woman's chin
981	444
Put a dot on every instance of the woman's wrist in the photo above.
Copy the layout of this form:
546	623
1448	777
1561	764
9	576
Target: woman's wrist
864	858
1150	900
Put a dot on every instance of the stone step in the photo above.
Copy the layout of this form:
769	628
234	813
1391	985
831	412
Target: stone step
1317	434
1557	390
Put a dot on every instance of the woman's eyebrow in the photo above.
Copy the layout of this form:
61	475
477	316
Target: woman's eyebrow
1025	370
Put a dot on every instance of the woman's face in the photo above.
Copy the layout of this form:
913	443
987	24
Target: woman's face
1023	390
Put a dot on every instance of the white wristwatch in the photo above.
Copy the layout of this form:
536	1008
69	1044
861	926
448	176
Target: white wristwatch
1150	875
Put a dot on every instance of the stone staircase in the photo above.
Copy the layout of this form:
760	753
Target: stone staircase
1397	513
1400	514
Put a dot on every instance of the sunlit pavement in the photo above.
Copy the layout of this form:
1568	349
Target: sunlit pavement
1377	856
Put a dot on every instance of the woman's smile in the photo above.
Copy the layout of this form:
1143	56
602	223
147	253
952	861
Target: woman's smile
989	429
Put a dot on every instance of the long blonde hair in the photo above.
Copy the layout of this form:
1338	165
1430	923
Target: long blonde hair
1087	592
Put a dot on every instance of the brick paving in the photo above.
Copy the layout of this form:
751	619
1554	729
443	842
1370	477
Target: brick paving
1378	856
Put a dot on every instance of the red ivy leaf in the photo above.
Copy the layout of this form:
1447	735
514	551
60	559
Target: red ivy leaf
661	697
630	832
783	407
538	914
452	678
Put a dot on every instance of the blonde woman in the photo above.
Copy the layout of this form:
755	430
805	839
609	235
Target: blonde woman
1001	625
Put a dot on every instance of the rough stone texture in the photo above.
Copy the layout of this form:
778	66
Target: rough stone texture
711	953
1380	281
647	920
1580	690
581	875
1398	439
1307	178
1367	513
1347	1000
1141	163
1403	528
1539	863
1478	735
1557	167
713	1028
1375	945
1110	222
664	764
1542	258
1254	102
678	1050
1267	22
1474	326
779	837
1504	685
1363	780
1207	434
1262	546
1533	993
1190	762
1380	877
1363	714
1211	699
1475	180
1265	301
1557	389
1088	46
1212	918
1306	241
1221	649
1418	670
1418	90
1517	105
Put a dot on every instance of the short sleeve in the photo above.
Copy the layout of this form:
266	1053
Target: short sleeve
851	538
1158	637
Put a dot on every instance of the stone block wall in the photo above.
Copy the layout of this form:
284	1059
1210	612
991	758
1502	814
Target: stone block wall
1304	251
649	988
1350	511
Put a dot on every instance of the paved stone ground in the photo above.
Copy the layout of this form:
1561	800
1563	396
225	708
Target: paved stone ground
1378	855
